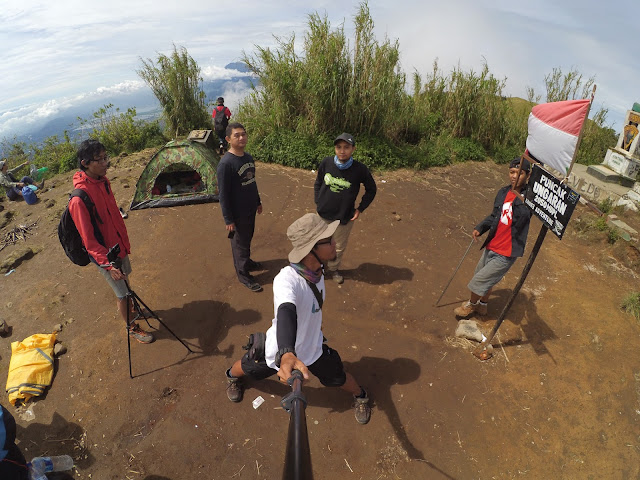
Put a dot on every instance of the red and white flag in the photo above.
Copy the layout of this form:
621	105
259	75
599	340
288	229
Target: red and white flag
553	132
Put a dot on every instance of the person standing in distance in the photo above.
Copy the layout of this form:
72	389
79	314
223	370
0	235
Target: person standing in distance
336	190
221	116
239	202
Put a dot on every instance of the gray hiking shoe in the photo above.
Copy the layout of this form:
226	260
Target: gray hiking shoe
140	335
235	389
362	409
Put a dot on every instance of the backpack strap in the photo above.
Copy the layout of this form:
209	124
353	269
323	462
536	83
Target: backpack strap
317	293
93	213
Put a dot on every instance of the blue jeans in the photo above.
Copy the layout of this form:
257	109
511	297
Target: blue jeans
16	192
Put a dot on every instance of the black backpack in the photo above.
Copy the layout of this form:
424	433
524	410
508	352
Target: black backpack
69	236
220	120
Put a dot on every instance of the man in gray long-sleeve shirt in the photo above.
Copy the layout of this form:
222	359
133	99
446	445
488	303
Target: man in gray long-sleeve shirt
239	202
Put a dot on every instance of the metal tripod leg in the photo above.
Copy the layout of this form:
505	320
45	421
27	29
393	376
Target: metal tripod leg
136	301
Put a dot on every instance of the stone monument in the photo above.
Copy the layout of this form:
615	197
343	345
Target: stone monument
622	162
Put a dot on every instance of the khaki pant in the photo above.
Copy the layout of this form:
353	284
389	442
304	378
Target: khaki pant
341	236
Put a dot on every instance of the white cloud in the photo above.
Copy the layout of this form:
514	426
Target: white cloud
55	50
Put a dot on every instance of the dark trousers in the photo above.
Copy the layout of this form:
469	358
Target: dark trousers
15	193
222	137
241	247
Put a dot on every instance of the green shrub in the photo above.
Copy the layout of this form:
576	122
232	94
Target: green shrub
631	304
121	131
175	81
606	205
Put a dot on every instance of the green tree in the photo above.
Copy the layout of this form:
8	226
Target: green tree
175	81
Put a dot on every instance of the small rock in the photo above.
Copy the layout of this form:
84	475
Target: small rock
59	349
4	328
469	329
398	218
69	321
57	327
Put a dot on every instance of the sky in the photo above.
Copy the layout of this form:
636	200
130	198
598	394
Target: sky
58	54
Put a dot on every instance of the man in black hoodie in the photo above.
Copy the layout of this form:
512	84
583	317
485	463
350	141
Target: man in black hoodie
508	226
336	190
239	202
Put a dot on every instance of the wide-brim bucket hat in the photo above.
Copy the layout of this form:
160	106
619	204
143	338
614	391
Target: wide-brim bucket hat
305	232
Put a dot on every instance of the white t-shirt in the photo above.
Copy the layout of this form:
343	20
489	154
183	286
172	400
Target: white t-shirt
290	287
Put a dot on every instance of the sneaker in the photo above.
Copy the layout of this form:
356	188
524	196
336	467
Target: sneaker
140	335
339	279
468	308
253	266
253	286
362	409
123	214
235	389
40	185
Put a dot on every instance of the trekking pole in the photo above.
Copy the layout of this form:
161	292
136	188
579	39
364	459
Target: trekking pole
297	459
455	271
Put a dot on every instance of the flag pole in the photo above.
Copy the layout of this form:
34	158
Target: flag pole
481	351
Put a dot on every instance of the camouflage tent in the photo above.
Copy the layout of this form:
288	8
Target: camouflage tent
180	173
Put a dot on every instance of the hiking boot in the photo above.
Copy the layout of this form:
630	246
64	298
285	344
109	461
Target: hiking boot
335	275
468	308
140	335
40	185
362	409
253	286
253	266
235	389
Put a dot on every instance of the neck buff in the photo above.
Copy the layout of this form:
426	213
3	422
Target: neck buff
342	166
306	273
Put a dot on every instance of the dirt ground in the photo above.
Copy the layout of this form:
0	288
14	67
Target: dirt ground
559	399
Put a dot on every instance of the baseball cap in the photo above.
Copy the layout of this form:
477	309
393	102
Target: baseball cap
515	163
347	137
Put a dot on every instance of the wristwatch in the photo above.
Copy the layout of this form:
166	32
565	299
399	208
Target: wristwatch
281	352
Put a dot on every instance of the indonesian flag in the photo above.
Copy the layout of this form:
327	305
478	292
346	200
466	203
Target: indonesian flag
553	132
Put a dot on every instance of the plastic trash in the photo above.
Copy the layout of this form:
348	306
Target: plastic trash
39	466
39	173
257	402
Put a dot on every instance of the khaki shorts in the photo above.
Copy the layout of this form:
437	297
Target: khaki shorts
119	287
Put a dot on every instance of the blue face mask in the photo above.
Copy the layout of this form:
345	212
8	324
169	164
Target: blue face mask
342	166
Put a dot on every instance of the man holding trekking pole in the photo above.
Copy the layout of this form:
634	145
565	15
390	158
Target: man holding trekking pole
508	226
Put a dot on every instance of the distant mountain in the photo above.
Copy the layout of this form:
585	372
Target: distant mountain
143	100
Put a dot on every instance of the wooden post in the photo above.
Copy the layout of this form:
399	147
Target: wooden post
480	351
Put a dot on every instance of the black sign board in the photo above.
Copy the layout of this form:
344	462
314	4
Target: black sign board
551	201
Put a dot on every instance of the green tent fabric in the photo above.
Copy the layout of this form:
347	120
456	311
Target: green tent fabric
167	170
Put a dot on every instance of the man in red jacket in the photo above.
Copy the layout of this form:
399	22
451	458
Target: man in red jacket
94	162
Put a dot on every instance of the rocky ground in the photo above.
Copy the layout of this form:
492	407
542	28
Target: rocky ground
559	399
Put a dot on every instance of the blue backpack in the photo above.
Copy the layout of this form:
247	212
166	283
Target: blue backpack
29	195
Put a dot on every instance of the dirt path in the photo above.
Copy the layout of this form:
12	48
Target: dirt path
560	400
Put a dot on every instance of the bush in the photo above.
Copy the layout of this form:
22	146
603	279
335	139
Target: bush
175	81
121	132
631	304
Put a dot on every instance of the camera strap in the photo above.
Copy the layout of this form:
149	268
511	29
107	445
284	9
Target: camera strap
317	293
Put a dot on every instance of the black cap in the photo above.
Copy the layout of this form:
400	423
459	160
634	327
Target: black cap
347	137
515	163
